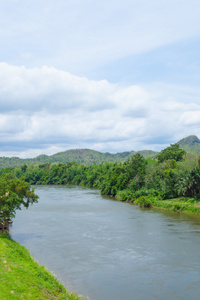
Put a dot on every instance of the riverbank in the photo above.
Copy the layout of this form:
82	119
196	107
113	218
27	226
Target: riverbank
23	278
181	205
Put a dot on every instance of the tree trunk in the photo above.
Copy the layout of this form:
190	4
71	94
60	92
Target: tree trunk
2	226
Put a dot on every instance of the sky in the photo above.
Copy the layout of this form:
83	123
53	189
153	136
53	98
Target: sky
111	76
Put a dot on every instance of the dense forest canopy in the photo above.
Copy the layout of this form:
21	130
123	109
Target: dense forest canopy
172	152
144	181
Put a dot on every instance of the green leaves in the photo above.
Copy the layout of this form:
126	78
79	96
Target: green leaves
14	193
172	152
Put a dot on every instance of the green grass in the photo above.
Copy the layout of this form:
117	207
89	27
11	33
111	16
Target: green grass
23	278
182	204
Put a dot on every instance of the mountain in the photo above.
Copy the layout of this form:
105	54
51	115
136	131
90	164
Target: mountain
190	144
88	157
83	156
147	153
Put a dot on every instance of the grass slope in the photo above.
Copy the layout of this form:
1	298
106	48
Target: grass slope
23	278
182	204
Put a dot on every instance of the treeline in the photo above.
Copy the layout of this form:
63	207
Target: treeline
169	175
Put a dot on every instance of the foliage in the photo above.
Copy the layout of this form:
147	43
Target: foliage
173	152
137	177
190	144
80	156
143	201
136	170
125	195
14	193
89	157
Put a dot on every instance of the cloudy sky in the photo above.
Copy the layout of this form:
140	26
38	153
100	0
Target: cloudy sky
106	75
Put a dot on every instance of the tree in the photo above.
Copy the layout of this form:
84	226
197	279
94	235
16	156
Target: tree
189	183
24	168
14	193
136	170
172	152
185	184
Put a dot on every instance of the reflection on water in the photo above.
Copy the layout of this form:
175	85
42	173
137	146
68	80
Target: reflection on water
110	250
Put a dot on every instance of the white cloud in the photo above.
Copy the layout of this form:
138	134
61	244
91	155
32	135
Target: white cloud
48	109
43	110
191	118
50	90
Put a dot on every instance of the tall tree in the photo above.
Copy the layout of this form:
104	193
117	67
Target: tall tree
136	170
172	152
14	193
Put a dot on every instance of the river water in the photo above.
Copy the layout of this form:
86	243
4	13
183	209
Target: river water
109	250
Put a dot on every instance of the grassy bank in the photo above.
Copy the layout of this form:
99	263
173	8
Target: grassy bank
23	278
181	204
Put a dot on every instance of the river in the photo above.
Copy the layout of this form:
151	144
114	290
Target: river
109	250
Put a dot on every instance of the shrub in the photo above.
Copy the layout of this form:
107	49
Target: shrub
177	206
143	201
124	195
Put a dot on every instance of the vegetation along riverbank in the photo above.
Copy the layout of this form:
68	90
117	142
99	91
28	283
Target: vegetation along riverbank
169	180
23	278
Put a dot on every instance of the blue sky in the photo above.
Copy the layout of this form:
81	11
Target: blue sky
106	75
174	63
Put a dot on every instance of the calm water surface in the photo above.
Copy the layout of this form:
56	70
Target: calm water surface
108	250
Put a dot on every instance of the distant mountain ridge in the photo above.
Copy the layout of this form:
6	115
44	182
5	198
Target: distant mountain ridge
88	157
81	156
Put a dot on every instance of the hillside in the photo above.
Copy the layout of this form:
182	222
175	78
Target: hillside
147	153
88	157
83	156
190	144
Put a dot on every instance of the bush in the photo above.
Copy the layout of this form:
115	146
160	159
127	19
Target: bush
143	201
147	192
177	206
124	195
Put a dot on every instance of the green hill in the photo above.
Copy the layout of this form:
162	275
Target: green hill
190	144
88	157
147	153
82	156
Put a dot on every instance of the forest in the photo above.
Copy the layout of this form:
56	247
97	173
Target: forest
172	175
